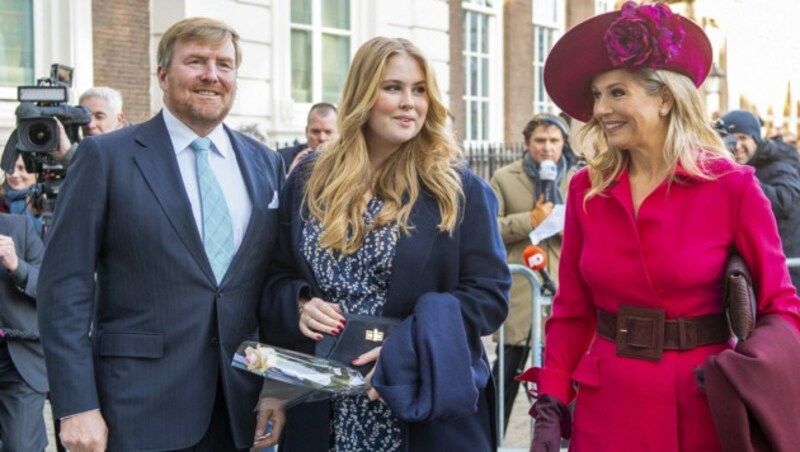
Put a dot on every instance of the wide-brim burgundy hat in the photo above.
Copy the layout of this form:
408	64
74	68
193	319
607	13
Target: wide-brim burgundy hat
635	37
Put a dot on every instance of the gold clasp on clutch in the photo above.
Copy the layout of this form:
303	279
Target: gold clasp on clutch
374	335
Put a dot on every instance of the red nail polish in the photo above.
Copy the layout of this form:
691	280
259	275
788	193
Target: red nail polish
319	337
344	321
335	332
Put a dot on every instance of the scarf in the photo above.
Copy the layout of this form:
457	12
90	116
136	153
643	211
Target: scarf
17	202
532	170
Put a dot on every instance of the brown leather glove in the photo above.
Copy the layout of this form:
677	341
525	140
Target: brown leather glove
541	211
553	421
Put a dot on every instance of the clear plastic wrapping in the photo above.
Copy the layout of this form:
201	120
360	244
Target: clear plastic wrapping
291	378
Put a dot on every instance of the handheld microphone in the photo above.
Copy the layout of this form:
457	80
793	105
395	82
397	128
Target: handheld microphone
548	172
536	259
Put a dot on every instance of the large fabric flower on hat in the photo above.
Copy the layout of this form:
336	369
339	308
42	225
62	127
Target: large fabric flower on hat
646	36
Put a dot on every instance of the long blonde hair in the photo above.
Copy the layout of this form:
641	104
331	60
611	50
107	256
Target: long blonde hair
690	141
342	175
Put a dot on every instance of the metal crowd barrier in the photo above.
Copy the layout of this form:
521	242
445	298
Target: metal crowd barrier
793	262
537	302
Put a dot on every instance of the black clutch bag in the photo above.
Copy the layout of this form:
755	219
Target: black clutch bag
361	334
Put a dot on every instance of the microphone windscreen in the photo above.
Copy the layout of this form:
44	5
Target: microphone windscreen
548	170
534	257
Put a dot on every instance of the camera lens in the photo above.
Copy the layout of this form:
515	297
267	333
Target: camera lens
39	134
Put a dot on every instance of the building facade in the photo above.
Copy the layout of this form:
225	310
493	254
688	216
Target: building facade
488	54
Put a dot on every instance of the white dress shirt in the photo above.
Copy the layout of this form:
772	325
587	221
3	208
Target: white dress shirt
222	160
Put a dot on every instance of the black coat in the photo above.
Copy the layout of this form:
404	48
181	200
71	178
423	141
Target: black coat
777	167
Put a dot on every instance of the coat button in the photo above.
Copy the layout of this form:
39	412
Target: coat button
214	341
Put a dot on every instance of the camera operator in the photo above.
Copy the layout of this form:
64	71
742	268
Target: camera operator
105	106
777	167
23	380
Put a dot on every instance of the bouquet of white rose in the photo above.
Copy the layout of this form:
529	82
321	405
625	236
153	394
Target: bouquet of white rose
293	378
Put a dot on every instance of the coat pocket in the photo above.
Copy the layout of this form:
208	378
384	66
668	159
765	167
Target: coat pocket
589	406
131	345
587	373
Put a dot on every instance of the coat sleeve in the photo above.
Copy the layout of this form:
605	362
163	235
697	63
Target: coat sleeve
433	365
782	188
570	328
26	276
757	239
279	315
67	282
515	226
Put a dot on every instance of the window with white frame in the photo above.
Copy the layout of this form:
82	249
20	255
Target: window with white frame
603	6
320	44
478	24
548	25
16	42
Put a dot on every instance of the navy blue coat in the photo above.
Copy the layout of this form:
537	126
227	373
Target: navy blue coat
450	290
164	332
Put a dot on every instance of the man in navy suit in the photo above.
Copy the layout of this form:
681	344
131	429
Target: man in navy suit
155	266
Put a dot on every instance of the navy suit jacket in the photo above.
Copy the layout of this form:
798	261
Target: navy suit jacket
163	330
450	290
18	299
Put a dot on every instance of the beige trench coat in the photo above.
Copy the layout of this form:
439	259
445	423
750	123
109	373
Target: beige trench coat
514	191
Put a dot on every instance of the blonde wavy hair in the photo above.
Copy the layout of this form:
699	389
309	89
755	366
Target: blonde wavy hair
690	141
342	175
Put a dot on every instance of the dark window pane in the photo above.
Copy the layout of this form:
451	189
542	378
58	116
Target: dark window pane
301	66
301	11
16	42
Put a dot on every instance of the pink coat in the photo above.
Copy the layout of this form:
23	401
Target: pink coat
671	257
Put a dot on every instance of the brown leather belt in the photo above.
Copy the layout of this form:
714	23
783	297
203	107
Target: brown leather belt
644	333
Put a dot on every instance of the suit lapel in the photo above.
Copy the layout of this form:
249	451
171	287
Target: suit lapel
412	254
260	187
159	167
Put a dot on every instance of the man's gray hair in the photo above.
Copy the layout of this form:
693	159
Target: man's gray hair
112	97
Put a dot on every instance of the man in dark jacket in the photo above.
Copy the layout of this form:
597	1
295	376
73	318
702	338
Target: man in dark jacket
777	167
320	128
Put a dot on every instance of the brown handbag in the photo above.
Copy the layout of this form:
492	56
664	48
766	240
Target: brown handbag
739	299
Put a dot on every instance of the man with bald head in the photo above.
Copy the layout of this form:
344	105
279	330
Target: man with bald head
320	128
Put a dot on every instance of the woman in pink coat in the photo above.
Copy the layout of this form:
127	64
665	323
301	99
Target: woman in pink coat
649	227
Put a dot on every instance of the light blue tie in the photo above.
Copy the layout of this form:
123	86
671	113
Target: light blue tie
217	224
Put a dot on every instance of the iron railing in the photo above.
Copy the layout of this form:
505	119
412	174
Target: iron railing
486	158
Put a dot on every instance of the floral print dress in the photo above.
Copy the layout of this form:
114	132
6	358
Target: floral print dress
359	284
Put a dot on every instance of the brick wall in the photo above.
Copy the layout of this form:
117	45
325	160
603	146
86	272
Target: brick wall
122	52
518	60
456	65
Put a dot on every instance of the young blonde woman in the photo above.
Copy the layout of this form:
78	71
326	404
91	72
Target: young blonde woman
649	228
391	224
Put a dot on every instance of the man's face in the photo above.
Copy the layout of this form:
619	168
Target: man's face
546	143
745	147
199	83
103	119
321	129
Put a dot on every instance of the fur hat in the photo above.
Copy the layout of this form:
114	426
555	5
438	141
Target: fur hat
633	38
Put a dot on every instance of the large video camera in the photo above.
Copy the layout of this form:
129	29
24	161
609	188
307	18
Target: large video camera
722	130
37	134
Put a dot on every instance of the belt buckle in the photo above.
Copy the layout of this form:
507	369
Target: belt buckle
640	333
